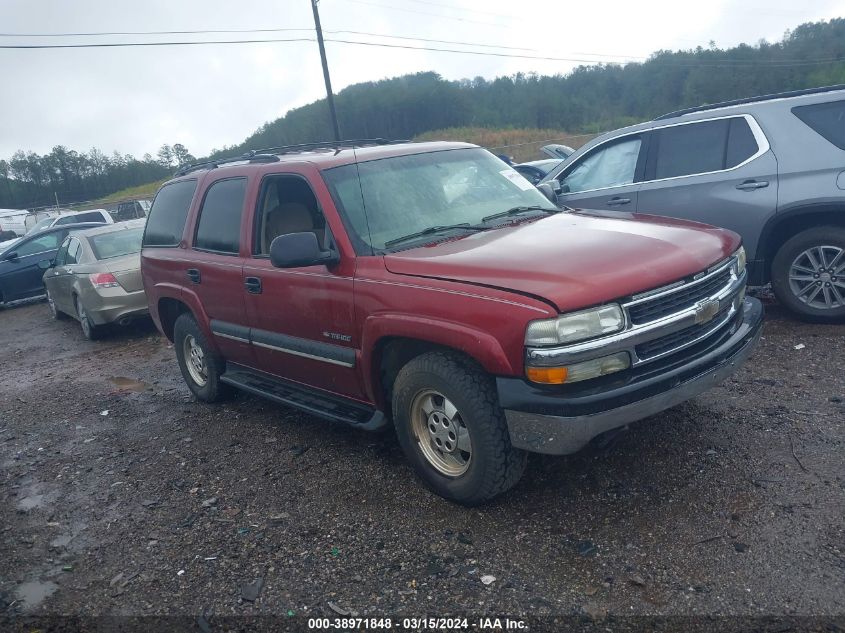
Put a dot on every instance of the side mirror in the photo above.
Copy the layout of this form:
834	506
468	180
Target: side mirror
548	190
299	249
45	264
11	257
564	188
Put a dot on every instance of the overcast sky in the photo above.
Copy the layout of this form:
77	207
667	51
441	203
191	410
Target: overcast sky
133	100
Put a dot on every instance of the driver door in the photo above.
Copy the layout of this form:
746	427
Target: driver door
607	177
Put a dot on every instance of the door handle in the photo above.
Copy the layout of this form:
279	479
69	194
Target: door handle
194	275
615	202
751	185
253	285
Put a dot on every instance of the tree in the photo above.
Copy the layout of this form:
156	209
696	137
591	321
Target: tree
165	156
181	154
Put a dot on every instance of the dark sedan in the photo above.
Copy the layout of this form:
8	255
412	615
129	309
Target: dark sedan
20	273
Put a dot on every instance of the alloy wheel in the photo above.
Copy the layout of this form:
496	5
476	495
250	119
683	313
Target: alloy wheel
195	360
441	433
817	277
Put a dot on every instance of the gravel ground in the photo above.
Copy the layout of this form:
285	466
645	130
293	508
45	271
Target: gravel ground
121	495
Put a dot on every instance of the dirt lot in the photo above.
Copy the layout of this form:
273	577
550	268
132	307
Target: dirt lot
122	495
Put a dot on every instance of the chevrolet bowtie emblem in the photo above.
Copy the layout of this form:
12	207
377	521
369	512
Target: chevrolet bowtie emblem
706	310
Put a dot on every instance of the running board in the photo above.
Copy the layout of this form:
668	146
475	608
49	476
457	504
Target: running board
320	403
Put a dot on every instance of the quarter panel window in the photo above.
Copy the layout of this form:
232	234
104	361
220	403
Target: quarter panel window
693	148
72	252
168	214
827	119
610	166
61	256
741	143
219	225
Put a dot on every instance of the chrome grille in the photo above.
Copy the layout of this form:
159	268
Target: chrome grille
679	299
683	338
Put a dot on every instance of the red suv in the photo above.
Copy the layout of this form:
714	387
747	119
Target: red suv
431	287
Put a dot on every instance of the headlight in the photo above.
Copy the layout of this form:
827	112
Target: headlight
585	370
740	260
576	326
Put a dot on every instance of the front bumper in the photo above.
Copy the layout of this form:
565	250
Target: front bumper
561	421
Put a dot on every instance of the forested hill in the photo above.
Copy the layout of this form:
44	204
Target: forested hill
589	99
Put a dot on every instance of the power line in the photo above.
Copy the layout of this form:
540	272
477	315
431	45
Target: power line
436	15
703	64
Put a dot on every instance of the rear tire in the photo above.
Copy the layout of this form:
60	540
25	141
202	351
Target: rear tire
452	429
808	274
200	365
89	330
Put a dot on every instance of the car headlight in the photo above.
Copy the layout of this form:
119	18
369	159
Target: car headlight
740	260
576	326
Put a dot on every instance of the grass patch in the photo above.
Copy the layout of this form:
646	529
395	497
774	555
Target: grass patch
522	144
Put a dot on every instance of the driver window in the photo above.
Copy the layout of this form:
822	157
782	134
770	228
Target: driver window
287	205
610	166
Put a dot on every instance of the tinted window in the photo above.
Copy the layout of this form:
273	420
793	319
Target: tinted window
610	166
169	212
219	226
94	216
40	244
741	143
694	148
116	243
828	119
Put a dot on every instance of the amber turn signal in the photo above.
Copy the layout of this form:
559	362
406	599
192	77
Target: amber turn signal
547	375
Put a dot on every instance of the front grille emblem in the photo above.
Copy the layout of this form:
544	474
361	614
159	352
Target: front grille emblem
706	310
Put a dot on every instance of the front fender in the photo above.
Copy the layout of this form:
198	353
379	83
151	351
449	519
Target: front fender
477	344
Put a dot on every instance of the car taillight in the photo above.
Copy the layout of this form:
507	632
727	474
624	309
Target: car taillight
103	280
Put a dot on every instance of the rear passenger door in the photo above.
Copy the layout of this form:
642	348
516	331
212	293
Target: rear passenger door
213	266
606	177
719	171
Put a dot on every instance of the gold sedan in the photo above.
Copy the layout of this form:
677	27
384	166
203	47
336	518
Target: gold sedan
96	277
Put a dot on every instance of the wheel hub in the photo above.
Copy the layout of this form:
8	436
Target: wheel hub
195	361
817	277
443	431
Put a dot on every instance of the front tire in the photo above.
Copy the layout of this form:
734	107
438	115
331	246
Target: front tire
808	274
452	429
57	314
200	365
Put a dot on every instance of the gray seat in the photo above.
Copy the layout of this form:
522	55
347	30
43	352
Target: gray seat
290	217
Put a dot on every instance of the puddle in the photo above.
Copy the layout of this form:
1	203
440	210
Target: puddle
128	384
33	593
61	541
29	503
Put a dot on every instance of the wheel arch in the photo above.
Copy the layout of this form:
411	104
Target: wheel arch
791	222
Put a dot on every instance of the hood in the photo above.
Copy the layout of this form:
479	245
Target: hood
574	260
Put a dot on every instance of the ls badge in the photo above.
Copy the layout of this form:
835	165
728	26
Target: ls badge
706	310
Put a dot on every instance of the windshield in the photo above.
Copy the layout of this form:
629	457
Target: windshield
397	197
116	243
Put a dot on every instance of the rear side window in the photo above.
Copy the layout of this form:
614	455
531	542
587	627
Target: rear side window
219	226
170	210
95	216
72	256
827	119
693	148
741	143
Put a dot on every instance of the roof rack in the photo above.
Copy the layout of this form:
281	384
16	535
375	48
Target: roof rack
271	154
769	97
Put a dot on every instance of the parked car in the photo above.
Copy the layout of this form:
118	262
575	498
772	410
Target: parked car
99	216
131	209
96	277
535	170
12	223
481	321
770	168
20	275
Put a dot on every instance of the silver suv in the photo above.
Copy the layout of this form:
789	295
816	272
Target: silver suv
770	168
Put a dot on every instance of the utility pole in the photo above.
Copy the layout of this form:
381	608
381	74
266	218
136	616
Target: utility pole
329	94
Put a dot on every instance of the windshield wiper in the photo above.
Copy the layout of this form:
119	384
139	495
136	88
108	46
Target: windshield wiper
434	229
518	210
